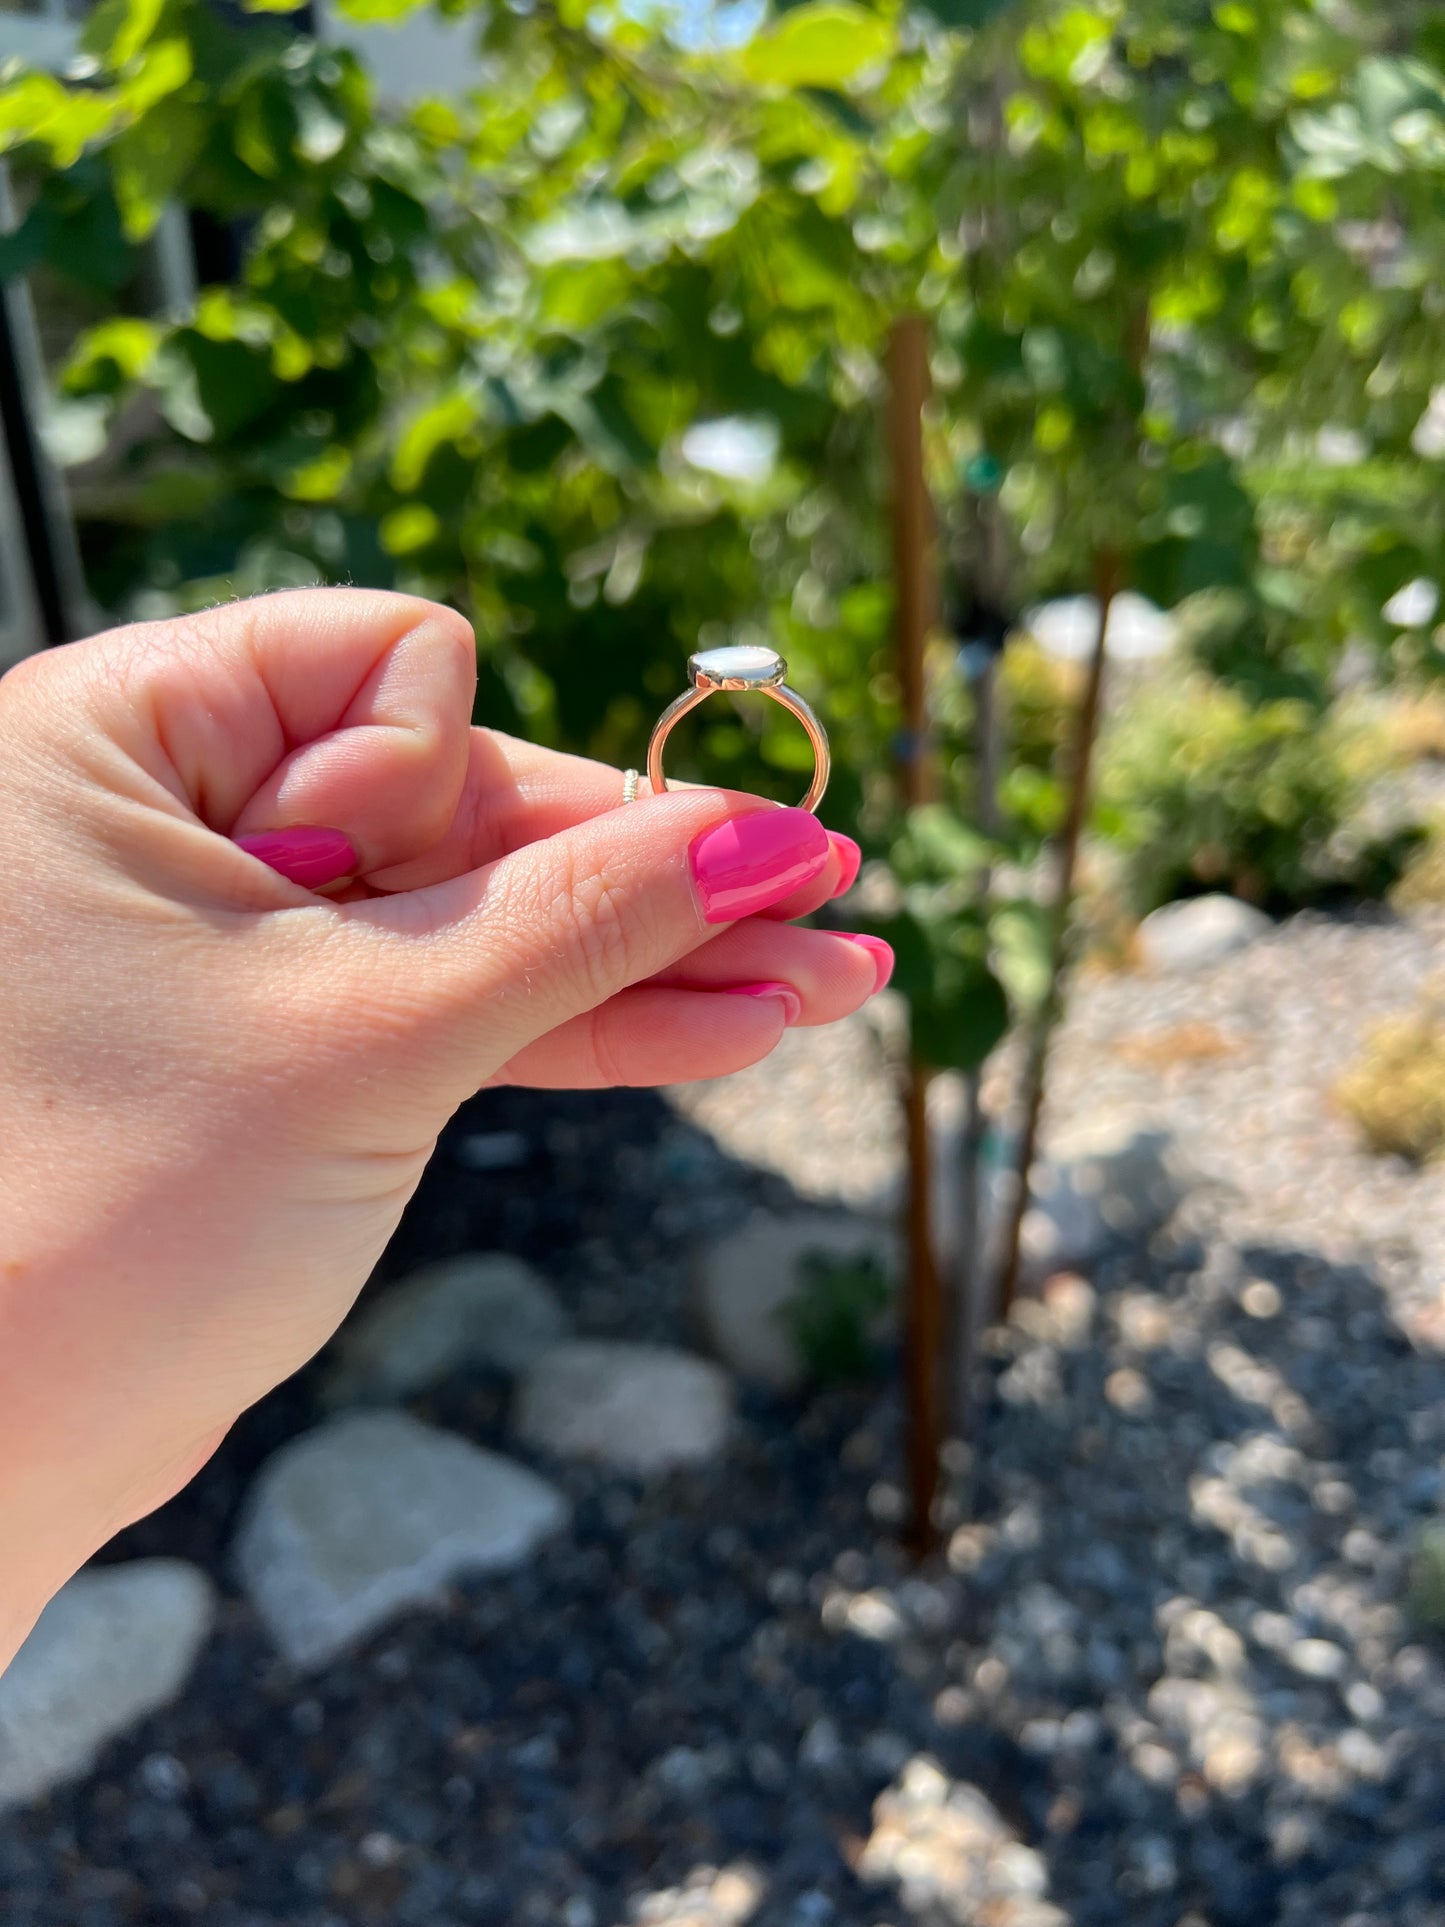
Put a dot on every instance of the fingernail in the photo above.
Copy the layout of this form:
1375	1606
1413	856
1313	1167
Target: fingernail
786	995
850	861
308	856
744	865
880	952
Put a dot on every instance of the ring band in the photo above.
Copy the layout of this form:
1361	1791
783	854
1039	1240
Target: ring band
749	667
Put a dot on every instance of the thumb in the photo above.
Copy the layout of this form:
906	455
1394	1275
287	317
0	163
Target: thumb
490	961
345	707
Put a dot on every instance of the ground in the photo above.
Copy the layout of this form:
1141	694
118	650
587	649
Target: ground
1168	1641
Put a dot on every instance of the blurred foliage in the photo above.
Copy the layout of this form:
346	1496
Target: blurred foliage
1040	696
593	350
1199	789
1415	720
1422	884
946	962
1396	1091
833	1315
1425	1599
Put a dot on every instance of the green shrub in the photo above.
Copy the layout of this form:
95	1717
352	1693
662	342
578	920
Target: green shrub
1396	1092
832	1315
1201	789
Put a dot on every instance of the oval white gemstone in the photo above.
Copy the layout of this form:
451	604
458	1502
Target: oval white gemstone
746	662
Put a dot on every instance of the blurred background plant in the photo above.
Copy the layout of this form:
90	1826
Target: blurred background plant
1396	1091
834	1314
1202	789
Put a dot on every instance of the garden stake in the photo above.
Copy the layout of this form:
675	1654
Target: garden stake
1106	585
967	1297
923	1319
980	575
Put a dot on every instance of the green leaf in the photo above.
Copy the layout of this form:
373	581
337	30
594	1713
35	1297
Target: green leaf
320	134
210	390
823	44
445	421
1023	952
938	844
37	108
1201	537
124	345
841	109
957	1006
320	480
613	431
118	29
912	947
150	160
164	67
958	1022
409	528
378	10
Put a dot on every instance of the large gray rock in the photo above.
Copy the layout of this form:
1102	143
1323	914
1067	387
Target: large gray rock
1111	1177
373	1512
1198	933
637	1408
114	1645
746	1282
952	1856
482	1309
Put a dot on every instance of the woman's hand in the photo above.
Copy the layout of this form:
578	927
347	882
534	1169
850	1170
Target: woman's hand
218	1088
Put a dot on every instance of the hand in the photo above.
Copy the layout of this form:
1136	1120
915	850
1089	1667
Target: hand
219	1088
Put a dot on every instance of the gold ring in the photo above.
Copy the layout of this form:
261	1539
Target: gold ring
738	668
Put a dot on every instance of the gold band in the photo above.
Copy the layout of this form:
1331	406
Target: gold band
780	693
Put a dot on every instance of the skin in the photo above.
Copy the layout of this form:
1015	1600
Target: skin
219	1089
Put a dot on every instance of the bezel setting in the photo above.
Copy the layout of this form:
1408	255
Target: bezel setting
736	667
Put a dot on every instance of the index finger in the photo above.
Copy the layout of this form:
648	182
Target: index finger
516	793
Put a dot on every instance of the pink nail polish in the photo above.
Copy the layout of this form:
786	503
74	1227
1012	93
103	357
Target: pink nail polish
309	856
750	862
880	952
850	861
786	995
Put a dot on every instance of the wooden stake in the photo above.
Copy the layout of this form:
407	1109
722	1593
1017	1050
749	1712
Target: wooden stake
1106	584
923	1316
970	1311
912	541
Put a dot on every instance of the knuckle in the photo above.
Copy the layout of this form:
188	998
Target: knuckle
608	1063
591	916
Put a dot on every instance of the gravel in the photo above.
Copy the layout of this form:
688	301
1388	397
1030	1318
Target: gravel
1165	1671
1239	1061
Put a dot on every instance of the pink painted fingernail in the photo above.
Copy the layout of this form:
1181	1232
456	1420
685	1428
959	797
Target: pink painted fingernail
308	856
750	862
850	861
880	952
786	995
